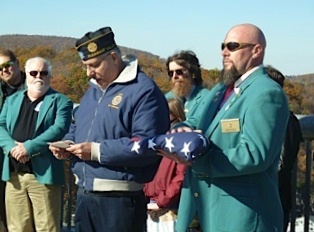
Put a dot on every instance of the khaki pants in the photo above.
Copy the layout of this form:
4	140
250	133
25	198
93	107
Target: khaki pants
31	206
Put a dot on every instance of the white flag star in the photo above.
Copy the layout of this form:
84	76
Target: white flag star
203	139
151	144
169	143
136	146
186	148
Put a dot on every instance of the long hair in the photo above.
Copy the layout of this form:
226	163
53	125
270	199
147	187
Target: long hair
176	109
8	53
188	60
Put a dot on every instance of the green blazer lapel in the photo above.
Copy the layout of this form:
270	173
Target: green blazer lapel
196	97
45	106
214	107
215	122
236	96
17	103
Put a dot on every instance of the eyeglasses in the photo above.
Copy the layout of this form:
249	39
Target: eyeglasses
6	65
41	73
178	72
93	67
234	46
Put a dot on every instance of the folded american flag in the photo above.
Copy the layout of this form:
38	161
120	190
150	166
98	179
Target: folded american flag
186	145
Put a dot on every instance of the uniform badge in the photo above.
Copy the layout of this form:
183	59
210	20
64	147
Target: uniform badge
92	47
116	100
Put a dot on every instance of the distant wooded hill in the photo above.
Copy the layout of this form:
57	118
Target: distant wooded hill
70	79
58	43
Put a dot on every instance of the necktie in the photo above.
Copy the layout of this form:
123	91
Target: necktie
227	94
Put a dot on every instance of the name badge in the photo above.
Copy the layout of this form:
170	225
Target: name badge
230	125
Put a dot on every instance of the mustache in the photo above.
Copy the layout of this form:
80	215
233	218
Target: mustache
41	81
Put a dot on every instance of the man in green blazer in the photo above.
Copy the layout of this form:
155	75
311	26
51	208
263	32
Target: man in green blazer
186	78
233	188
184	70
28	121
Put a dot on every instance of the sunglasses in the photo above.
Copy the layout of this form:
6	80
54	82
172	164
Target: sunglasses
41	73
178	72
234	46
6	65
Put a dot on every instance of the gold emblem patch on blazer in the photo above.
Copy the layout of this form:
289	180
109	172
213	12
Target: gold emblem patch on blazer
230	125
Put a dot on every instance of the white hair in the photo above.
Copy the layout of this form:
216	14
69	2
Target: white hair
45	61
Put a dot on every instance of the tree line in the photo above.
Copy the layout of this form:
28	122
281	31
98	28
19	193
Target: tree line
70	79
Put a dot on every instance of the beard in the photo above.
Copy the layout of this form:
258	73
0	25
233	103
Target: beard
228	77
38	87
182	88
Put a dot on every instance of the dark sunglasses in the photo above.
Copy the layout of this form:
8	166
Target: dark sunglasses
6	65
41	73
178	72
234	46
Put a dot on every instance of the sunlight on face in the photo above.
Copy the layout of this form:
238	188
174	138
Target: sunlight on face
38	82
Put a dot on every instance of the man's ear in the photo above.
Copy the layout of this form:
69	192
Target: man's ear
257	51
114	56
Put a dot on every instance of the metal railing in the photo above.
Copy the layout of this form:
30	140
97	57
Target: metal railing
307	126
68	202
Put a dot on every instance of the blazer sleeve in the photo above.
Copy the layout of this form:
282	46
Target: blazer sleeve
6	141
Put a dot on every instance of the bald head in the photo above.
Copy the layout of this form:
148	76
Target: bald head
243	49
249	33
252	54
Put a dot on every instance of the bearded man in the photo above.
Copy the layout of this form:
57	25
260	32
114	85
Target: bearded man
186	78
236	181
29	120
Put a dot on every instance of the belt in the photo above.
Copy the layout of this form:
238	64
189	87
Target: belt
113	193
102	185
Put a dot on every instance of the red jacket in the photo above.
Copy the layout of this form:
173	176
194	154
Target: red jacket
166	186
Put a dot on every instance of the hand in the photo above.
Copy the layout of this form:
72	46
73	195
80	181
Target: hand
81	150
60	153
175	157
181	129
19	153
152	206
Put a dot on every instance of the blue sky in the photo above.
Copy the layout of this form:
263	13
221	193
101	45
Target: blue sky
165	26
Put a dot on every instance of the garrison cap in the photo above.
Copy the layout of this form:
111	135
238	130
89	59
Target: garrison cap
95	43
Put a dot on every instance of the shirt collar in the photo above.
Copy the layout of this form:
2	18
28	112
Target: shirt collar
245	76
